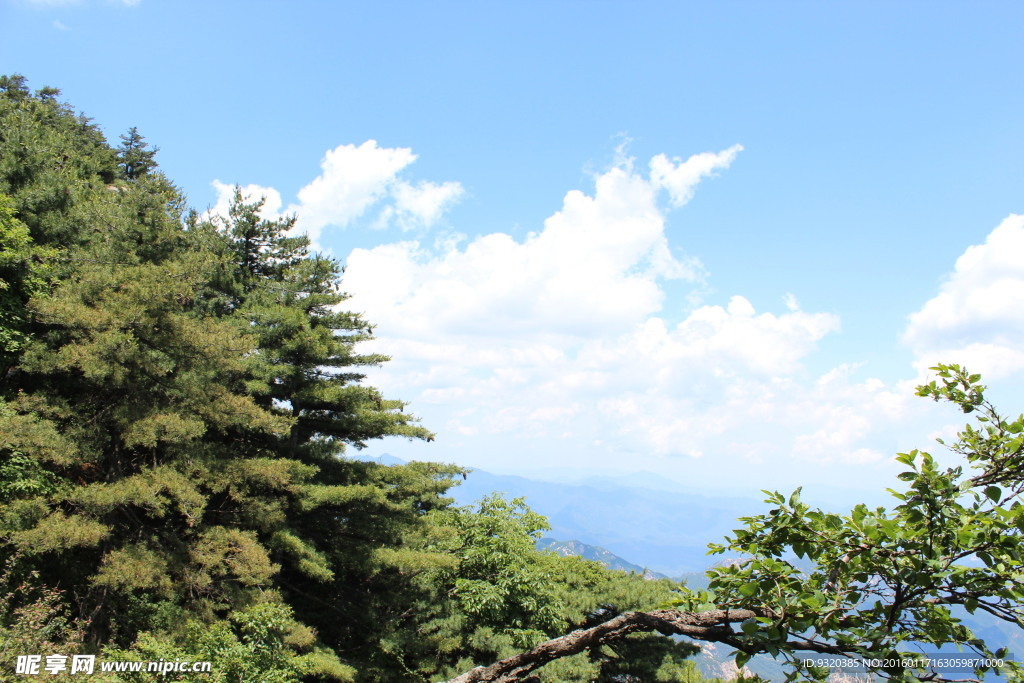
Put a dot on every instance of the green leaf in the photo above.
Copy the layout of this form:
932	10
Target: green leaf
794	499
906	458
748	589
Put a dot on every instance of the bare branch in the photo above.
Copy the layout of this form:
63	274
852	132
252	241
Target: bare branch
710	626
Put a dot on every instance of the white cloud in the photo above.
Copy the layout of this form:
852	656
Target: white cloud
60	26
420	205
567	334
271	207
353	179
562	349
681	177
592	270
564	332
719	374
842	415
977	318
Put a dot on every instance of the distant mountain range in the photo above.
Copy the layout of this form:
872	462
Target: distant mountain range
596	553
660	530
663	531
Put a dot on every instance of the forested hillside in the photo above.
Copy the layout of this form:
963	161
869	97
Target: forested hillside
177	397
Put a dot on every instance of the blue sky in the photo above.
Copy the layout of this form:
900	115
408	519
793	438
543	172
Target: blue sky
713	242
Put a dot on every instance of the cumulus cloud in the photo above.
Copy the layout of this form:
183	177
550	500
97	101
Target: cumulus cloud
271	200
724	385
843	414
762	344
977	318
564	335
681	177
592	270
353	180
421	204
715	375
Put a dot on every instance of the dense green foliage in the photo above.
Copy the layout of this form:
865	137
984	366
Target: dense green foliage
177	398
506	596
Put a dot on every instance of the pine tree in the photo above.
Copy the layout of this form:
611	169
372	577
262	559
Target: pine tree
171	432
133	159
52	163
308	367
307	370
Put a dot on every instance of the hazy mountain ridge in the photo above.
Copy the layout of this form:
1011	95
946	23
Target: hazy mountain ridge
595	553
665	531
